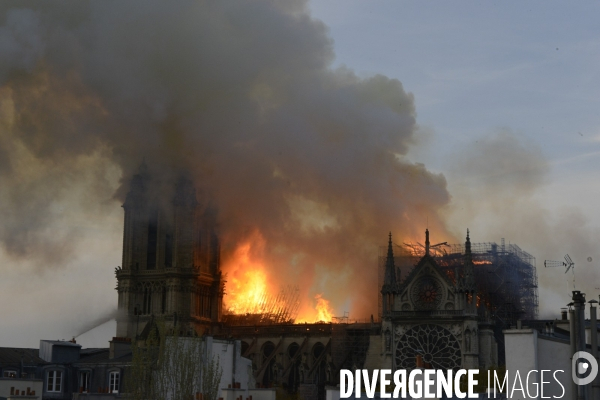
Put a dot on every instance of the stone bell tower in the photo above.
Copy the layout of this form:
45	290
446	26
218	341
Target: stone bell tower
171	267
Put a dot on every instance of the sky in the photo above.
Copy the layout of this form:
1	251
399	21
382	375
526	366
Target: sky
504	97
476	67
478	71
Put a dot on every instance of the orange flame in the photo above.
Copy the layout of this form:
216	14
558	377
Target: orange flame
248	290
247	284
324	311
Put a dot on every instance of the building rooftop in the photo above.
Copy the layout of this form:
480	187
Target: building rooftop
15	355
99	356
61	343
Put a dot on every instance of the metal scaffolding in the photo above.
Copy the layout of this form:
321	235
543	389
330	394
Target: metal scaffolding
279	309
505	274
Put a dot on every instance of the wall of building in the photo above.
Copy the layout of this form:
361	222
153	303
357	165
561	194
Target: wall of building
521	356
58	351
236	369
9	387
526	351
96	396
376	357
306	359
554	355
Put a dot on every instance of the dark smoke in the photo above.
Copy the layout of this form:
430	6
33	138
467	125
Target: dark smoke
241	96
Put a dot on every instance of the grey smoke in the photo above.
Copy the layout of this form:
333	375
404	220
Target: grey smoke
241	96
496	184
96	321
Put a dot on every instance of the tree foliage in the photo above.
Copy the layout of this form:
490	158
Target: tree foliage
211	377
171	367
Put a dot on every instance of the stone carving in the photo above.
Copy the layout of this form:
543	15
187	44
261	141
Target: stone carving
426	293
436	344
456	330
388	341
399	330
468	340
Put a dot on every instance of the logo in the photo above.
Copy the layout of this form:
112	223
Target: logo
583	363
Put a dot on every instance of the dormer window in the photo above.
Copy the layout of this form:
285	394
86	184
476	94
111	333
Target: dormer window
9	373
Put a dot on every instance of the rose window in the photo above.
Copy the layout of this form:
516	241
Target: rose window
435	344
426	293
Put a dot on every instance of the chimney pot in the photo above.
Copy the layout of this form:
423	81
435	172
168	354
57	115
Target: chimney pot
419	361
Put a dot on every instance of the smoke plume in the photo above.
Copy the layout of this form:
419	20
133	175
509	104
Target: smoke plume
497	182
241	96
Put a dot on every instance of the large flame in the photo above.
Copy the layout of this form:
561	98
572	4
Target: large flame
249	291
321	312
247	284
324	311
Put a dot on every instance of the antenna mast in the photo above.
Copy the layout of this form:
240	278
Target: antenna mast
568	264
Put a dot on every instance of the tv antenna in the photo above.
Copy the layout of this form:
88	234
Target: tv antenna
568	264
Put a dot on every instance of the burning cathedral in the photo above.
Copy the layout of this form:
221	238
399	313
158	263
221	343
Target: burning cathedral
170	264
440	309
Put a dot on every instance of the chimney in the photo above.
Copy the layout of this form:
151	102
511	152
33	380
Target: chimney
119	346
563	314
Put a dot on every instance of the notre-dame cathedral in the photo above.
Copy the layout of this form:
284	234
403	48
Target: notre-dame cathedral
171	270
170	266
430	315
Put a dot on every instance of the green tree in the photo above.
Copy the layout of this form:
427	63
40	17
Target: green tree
211	378
139	376
179	369
171	367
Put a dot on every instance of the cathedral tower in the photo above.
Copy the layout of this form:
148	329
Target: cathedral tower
170	268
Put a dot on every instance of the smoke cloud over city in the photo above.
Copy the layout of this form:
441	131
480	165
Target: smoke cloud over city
498	182
305	163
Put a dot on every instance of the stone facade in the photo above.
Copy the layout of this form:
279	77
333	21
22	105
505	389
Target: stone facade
170	267
171	270
431	316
